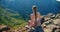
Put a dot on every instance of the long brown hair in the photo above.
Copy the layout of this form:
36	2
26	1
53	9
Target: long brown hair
35	13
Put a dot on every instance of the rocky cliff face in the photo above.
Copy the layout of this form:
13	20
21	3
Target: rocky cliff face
51	23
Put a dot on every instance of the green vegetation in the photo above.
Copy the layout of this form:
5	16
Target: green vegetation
11	19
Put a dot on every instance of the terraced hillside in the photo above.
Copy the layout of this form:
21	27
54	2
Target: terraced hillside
11	18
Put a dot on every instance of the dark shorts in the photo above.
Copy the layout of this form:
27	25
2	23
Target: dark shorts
37	29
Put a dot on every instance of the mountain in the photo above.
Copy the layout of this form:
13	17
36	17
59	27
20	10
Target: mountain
11	19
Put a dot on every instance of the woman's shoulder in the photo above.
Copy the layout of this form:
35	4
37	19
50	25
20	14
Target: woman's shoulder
33	13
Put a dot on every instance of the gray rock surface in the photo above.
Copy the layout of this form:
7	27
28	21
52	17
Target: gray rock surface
51	21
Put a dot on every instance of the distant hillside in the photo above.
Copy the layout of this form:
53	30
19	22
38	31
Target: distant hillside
9	18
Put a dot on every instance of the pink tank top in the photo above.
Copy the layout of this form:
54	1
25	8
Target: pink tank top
33	19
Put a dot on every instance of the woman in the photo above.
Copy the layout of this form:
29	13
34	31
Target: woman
35	20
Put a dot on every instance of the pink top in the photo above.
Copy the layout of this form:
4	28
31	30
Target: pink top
33	19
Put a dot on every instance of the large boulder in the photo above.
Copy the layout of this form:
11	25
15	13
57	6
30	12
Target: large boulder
51	15
4	28
56	21
57	16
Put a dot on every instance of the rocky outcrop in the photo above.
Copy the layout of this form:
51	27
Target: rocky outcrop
4	28
51	22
